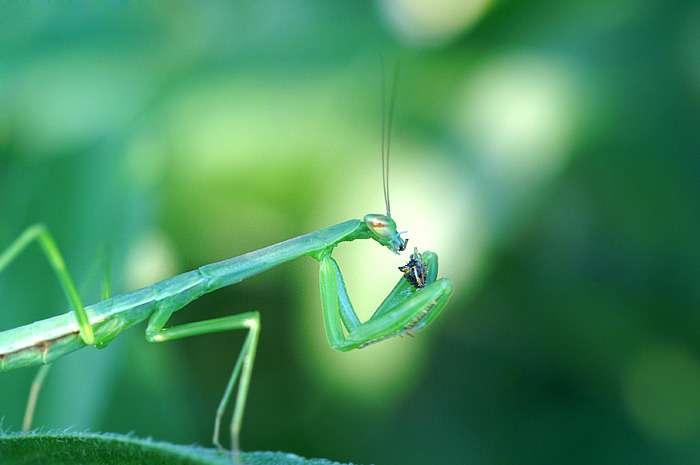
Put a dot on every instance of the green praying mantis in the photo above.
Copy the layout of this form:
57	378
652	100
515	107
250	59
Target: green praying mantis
412	304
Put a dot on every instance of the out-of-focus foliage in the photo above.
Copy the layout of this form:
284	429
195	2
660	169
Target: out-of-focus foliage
547	152
89	448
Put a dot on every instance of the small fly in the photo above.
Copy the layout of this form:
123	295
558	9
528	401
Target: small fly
414	270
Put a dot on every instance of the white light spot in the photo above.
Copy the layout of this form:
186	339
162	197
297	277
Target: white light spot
151	259
519	113
435	22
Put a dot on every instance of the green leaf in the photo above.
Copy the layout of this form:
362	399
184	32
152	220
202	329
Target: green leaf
89	449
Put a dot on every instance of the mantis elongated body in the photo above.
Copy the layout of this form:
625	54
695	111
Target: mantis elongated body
405	309
409	307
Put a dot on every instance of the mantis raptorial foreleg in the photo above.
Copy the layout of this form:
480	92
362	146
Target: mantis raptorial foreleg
404	310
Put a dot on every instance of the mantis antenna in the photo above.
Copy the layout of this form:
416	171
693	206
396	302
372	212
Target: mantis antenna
382	227
387	116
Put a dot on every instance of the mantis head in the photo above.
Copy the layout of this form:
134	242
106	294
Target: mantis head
383	230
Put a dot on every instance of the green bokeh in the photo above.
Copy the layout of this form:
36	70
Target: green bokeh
548	154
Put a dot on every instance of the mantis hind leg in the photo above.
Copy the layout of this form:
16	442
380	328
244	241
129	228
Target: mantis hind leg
38	381
40	233
241	372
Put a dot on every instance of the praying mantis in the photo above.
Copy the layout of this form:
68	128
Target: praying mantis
410	306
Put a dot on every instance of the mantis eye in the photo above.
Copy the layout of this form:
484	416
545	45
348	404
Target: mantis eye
383	230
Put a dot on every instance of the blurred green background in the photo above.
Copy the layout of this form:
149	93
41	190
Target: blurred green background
547	152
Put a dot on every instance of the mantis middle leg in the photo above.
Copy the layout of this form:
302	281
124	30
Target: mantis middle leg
244	365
